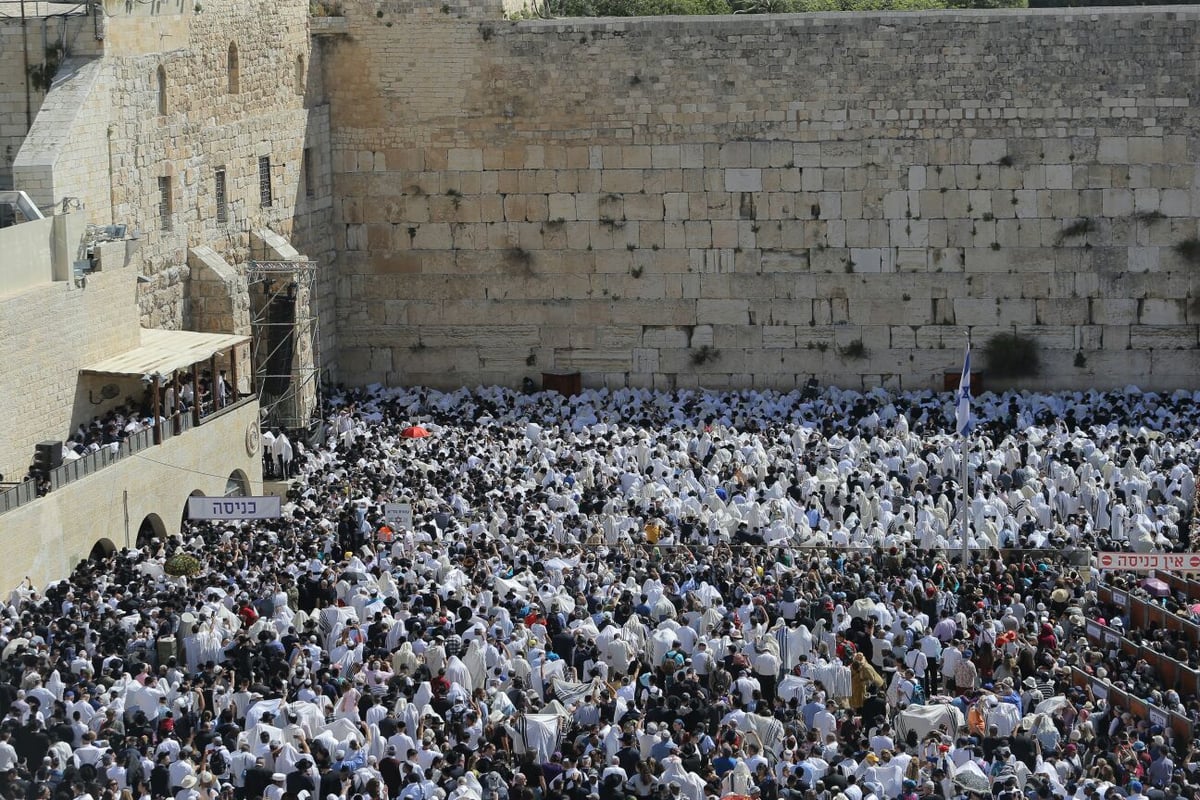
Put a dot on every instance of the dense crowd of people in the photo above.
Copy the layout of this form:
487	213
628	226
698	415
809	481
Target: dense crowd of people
629	594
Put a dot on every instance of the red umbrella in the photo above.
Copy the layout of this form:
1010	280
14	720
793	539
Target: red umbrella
414	432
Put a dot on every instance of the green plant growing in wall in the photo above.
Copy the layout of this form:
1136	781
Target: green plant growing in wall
1080	359
1189	250
853	351
1149	217
520	260
637	271
455	197
1080	227
704	355
1012	355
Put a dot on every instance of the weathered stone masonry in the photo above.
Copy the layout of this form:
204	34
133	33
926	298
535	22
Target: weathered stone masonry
733	202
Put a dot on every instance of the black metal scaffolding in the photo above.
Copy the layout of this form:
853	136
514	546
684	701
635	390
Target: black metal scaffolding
287	358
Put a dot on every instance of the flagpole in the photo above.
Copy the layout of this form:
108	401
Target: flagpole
962	422
963	481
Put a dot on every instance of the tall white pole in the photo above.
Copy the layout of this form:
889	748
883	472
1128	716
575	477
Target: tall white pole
963	451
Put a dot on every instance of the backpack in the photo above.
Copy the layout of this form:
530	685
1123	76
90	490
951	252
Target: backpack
216	764
918	694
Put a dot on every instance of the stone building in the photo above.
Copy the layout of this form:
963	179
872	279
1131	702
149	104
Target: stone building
171	146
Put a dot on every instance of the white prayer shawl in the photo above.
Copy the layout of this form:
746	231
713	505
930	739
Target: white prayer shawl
793	686
792	643
408	713
547	673
569	693
739	781
342	731
835	678
473	660
660	643
139	697
457	672
769	730
538	734
1004	716
421	699
404	657
638	634
707	622
252	734
691	786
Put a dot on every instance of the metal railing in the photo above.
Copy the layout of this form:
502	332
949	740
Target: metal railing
25	492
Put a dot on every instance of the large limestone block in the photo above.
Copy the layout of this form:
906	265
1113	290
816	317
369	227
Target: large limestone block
743	180
1154	311
723	312
1147	337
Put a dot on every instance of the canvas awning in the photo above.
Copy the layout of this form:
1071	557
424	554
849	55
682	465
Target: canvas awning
163	352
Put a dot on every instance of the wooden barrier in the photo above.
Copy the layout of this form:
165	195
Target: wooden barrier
1116	698
1180	584
1143	615
1174	674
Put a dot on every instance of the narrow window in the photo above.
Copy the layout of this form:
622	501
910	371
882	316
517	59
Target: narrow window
219	192
310	187
264	181
161	78
233	69
164	203
300	75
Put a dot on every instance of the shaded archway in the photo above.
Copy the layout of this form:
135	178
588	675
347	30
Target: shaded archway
152	527
102	550
238	485
184	516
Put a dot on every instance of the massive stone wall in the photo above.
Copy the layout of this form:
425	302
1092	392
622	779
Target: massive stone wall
750	201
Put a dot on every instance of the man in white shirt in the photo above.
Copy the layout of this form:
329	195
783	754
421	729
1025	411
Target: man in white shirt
825	722
276	790
766	668
401	740
8	754
89	753
951	658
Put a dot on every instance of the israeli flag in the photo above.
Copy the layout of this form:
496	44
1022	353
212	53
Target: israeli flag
962	408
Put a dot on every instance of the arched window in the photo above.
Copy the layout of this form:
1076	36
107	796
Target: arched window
237	485
161	79
300	75
102	550
235	79
152	528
